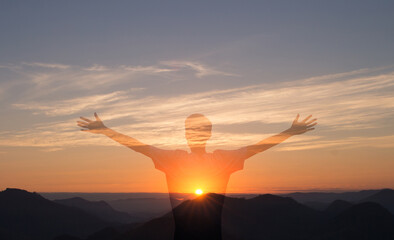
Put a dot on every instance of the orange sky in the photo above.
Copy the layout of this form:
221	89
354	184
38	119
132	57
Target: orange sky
118	169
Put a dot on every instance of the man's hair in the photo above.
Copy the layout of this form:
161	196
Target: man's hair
198	120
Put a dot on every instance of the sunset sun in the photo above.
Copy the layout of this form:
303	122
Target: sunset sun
198	192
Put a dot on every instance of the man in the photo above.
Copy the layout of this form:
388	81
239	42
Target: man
198	171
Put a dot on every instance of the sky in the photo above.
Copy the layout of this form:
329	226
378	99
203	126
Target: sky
144	66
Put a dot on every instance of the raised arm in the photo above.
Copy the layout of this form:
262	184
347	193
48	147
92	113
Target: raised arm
297	128
98	127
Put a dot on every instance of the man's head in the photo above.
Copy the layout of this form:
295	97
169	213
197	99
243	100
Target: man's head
197	130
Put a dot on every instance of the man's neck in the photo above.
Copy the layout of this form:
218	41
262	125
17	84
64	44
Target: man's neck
198	150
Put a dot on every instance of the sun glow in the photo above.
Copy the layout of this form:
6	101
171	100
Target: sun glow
198	192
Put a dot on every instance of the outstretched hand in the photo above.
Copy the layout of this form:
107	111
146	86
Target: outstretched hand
92	126
300	127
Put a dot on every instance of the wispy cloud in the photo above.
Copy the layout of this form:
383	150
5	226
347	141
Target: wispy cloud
71	106
96	68
44	79
148	69
349	142
201	70
10	67
360	100
47	65
51	149
336	76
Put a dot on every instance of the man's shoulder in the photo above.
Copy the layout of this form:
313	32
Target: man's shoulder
181	151
227	150
230	153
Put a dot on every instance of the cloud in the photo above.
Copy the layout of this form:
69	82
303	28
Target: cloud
360	100
51	149
96	68
41	80
336	76
10	67
71	106
349	142
47	65
200	69
148	69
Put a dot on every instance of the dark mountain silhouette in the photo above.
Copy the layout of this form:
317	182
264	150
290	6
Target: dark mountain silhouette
384	197
25	215
268	216
198	216
277	218
28	216
161	228
320	206
143	208
110	233
66	237
337	207
328	197
100	209
362	221
265	216
6	234
105	234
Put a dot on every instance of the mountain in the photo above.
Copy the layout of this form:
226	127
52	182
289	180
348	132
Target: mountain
197	216
361	221
6	234
275	218
142	208
384	197
337	207
100	209
25	215
269	216
320	206
28	216
161	228
328	197
263	217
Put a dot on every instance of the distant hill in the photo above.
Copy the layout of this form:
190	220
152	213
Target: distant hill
337	207
28	216
142	208
328	197
100	209
384	197
317	205
269	216
361	221
279	218
25	215
263	216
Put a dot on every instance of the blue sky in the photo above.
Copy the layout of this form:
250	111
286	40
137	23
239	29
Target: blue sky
271	35
250	66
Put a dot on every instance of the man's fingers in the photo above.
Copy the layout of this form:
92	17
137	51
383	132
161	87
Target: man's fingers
97	117
311	125
81	125
80	122
85	119
296	119
310	129
306	119
311	121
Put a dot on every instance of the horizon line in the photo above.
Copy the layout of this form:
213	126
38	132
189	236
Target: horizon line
232	193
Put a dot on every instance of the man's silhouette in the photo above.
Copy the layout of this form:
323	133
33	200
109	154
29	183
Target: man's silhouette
198	170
